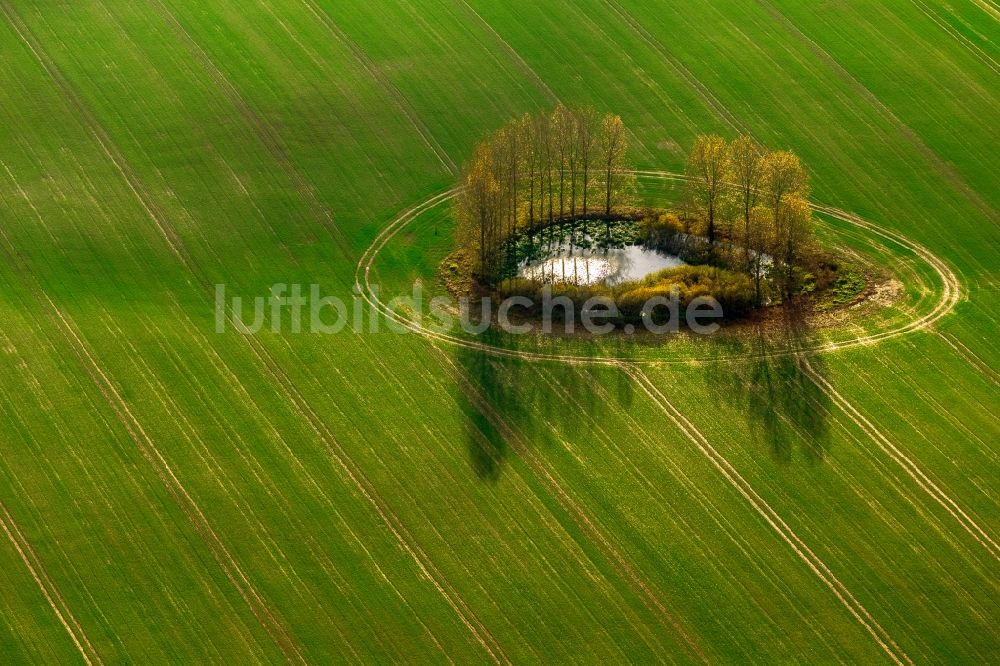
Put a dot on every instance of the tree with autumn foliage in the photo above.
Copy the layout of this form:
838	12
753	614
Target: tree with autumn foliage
762	197
785	191
746	159
708	167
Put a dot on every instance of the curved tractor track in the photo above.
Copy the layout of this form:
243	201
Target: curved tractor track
949	298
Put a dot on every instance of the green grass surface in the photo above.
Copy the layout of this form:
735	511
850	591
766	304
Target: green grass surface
173	494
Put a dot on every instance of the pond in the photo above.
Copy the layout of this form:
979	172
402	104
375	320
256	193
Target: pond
597	265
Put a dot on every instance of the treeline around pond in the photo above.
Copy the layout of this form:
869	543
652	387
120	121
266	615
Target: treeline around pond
561	182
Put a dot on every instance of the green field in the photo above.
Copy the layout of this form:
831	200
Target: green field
171	494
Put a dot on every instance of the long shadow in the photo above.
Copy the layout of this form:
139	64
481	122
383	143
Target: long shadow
769	382
538	402
499	397
759	370
487	395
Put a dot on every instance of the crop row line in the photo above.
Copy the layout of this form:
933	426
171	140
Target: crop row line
48	588
579	514
904	461
232	569
881	636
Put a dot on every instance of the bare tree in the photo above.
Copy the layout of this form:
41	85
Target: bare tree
562	134
510	182
478	209
530	159
586	135
612	145
547	147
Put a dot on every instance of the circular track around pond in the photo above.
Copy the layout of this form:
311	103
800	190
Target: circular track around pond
949	296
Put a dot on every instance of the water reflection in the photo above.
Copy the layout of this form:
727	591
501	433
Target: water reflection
595	265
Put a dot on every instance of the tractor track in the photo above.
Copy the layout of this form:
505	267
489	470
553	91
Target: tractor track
951	293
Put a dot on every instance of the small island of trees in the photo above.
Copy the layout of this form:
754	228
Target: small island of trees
560	185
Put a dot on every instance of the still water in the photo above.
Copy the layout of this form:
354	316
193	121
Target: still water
593	266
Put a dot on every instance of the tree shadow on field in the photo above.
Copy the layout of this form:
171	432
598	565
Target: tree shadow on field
577	396
509	403
496	401
768	377
488	398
